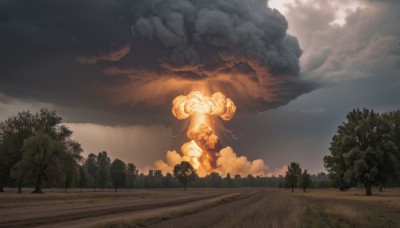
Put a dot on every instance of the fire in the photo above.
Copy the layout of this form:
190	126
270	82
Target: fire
193	152
204	150
200	109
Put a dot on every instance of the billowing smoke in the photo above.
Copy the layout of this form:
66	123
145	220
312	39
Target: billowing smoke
204	151
238	47
131	57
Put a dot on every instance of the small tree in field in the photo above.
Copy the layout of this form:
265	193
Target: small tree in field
292	174
304	180
184	172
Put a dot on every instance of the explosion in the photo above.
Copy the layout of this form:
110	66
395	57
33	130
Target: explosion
204	150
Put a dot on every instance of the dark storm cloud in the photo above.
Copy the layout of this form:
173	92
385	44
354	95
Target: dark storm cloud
130	55
367	45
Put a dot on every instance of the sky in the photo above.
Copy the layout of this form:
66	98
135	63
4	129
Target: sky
111	69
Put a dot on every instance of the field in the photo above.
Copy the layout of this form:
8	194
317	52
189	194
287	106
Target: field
242	207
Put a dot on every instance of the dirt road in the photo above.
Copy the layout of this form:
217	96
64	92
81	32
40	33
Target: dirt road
84	215
214	215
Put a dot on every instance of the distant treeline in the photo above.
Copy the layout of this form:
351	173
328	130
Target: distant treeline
98	172
37	150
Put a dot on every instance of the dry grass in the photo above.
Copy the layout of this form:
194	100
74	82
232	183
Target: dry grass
330	208
320	208
276	209
58	197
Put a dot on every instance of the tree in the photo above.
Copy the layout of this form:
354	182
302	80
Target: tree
13	132
45	129
292	174
304	180
228	182
185	173
213	180
103	162
363	150
335	163
83	177
118	173
92	168
132	173
40	152
69	165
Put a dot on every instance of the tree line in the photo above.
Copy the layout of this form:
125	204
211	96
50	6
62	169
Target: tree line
37	150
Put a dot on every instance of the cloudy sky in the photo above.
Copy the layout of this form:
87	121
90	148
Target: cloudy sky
112	67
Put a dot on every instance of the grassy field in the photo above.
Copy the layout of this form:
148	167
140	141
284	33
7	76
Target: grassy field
320	208
269	208
11	199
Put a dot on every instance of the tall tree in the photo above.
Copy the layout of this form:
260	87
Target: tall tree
365	145
83	177
13	132
132	173
40	152
118	173
185	173
92	168
335	163
304	180
292	174
48	147
70	166
103	162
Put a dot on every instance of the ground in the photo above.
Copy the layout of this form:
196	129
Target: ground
242	207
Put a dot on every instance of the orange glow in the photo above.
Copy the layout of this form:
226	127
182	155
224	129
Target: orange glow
200	109
193	151
204	150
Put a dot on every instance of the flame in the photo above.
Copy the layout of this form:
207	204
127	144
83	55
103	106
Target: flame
200	109
194	152
204	150
195	103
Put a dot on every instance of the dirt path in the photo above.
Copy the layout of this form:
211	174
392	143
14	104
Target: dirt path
212	216
98	212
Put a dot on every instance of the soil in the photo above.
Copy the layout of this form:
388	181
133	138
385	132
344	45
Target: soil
84	215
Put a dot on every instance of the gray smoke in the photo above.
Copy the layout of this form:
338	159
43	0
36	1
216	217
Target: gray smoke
209	36
131	57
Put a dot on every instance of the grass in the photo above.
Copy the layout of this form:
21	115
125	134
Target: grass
351	209
58	197
320	208
275	209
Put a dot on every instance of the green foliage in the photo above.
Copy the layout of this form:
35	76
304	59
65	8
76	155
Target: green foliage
364	150
132	173
92	168
304	180
118	173
37	147
13	132
185	173
103	164
292	174
83	177
41	153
